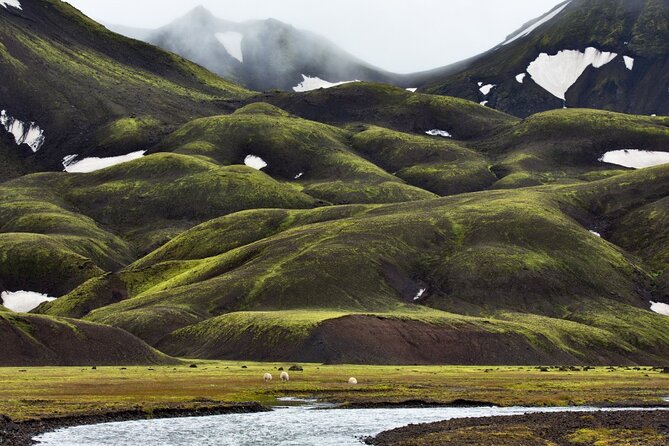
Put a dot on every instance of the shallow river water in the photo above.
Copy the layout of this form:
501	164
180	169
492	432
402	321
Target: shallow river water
303	425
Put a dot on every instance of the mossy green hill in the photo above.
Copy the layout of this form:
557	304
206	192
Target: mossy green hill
95	91
465	268
363	240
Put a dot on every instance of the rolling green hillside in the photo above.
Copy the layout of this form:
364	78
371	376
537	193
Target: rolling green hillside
516	268
87	87
363	240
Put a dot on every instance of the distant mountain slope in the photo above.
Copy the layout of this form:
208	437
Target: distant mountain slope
261	55
84	87
605	54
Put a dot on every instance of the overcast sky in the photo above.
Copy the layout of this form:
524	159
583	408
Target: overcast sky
398	35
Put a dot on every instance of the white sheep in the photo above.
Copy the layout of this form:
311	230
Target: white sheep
285	377
352	381
267	377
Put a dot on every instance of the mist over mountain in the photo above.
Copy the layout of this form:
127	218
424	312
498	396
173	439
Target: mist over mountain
261	55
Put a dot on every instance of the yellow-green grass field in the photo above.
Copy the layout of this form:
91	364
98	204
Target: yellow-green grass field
45	392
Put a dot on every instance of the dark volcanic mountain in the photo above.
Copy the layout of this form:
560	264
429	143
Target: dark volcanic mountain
261	55
605	54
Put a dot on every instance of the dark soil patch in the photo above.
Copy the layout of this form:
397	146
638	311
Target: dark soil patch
649	428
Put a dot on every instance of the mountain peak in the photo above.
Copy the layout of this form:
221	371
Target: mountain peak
200	13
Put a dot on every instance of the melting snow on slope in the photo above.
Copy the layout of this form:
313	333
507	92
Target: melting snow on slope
521	78
314	83
596	233
232	42
14	3
255	162
659	308
548	17
557	73
24	301
23	133
483	103
486	89
420	294
437	132
636	159
412	90
629	62
92	164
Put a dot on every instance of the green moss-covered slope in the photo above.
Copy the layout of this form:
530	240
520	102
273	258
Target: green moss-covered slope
87	87
525	261
313	157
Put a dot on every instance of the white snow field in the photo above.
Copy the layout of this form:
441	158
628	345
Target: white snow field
92	164
13	3
486	89
629	62
255	162
232	42
314	83
557	73
635	159
520	78
528	30
437	132
23	133
659	308
24	301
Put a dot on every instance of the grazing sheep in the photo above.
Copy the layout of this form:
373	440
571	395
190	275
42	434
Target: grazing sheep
352	381
267	377
285	377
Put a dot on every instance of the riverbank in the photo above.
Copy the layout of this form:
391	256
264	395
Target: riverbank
21	433
647	428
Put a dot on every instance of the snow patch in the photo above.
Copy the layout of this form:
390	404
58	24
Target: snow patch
629	62
232	42
420	294
636	159
24	301
12	3
413	90
483	103
23	133
520	78
596	233
528	30
255	162
659	308
299	175
314	83
486	89
557	73
92	164
437	132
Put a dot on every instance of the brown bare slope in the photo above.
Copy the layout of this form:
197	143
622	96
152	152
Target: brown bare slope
30	340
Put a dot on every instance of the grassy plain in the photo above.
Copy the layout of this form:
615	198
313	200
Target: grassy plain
33	393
